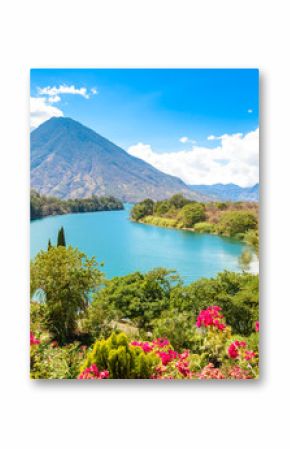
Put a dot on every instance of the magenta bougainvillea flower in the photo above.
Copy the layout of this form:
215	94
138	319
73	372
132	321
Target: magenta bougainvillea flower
92	372
33	340
211	317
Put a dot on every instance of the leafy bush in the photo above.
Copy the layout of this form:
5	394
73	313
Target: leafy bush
159	221
237	222
48	361
204	227
122	360
178	201
178	328
252	238
191	214
67	278
138	297
236	293
140	210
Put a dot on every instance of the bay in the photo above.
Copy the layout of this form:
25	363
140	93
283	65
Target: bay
124	246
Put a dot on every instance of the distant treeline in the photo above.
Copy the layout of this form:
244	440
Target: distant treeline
42	206
233	219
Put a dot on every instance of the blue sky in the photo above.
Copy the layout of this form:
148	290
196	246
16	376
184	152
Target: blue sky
165	110
158	105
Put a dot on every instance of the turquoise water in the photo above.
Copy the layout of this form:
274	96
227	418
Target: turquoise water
125	246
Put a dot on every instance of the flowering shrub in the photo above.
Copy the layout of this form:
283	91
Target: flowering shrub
214	354
49	361
211	317
122	359
33	340
92	372
210	372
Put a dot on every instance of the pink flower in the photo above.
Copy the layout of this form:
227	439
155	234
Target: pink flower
238	373
232	351
183	355
92	372
145	345
210	372
211	317
183	368
257	326
33	340
167	357
160	342
249	355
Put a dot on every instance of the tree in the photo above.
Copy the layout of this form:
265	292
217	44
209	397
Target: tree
140	210
67	278
61	237
178	201
245	259
137	296
49	244
191	214
237	222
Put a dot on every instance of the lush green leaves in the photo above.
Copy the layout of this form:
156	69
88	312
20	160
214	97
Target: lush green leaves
41	206
67	277
122	360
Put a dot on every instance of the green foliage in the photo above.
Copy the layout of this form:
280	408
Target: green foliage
245	259
67	277
233	219
49	362
179	328
138	297
178	201
236	293
162	207
191	214
41	206
252	238
159	221
204	227
122	360
237	222
140	210
37	317
221	205
61	237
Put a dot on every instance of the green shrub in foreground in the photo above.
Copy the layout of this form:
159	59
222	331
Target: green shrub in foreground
122	360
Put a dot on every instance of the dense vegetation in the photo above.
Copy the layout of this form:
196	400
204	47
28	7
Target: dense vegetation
232	219
142	325
41	206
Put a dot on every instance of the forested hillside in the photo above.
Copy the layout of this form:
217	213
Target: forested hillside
42	206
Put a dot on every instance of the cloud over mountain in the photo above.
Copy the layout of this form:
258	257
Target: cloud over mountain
234	160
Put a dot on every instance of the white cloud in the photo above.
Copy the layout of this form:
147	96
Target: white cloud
186	139
64	89
250	111
41	110
55	99
235	159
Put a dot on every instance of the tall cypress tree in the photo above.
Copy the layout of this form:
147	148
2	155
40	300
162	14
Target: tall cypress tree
49	245
61	237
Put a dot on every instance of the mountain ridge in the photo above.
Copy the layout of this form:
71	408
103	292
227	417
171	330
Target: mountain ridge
228	192
70	160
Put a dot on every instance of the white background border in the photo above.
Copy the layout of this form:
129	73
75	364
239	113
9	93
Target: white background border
129	33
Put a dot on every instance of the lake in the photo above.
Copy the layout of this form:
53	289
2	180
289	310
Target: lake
125	246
